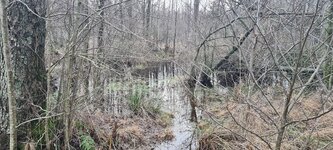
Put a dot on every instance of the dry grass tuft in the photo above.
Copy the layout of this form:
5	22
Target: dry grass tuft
165	119
166	135
220	140
133	132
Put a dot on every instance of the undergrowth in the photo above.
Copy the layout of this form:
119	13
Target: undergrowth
86	142
136	97
238	121
84	136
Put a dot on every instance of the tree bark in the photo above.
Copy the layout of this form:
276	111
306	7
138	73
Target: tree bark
3	96
27	31
10	78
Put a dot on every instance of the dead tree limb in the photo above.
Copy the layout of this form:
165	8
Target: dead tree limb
234	49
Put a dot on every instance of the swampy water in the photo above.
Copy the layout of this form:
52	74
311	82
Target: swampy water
166	82
162	83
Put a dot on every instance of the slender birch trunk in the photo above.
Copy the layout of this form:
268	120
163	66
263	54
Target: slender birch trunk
10	78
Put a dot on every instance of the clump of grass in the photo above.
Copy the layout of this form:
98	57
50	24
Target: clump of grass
220	140
132	134
165	119
211	141
203	126
166	135
136	95
153	107
135	101
136	98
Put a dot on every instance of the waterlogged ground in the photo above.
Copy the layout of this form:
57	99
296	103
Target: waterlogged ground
166	85
166	89
168	129
174	101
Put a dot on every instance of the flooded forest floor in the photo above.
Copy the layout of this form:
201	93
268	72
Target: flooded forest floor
146	109
149	108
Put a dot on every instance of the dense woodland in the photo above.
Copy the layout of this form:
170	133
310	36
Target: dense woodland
166	74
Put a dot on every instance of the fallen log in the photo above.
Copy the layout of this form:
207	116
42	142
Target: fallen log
205	80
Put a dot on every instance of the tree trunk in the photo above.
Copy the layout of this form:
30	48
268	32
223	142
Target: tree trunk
49	92
86	65
73	69
10	78
130	18
175	32
27	33
71	84
121	13
166	36
191	86
98	85
328	71
148	18
196	10
143	7
3	96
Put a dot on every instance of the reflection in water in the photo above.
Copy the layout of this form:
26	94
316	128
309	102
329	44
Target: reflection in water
171	91
164	82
